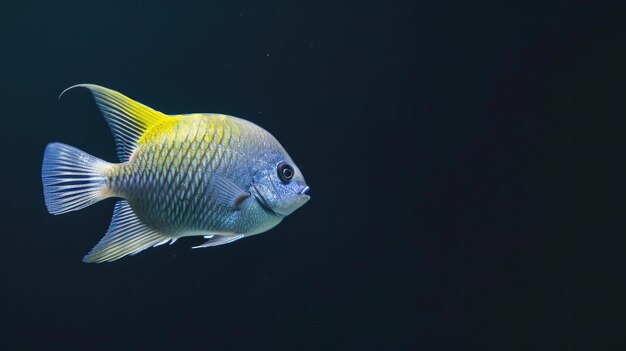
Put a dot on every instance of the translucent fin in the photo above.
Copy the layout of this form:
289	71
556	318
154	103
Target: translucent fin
219	240
72	179
227	191
127	235
128	119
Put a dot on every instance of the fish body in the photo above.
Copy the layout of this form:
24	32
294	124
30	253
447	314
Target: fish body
212	175
203	149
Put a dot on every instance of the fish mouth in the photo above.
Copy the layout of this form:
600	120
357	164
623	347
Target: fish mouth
303	193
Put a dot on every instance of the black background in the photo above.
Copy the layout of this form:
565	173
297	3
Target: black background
460	157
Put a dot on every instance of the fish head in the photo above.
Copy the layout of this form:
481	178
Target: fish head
279	185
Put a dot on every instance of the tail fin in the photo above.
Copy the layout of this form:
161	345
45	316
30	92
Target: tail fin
72	179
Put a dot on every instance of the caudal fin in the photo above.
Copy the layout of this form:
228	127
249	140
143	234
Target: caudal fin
72	179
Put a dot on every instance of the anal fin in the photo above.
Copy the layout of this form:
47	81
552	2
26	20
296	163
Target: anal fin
216	240
127	235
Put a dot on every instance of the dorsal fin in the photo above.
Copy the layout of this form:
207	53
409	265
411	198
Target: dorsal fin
128	119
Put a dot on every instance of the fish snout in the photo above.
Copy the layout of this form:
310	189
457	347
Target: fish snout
304	190
303	193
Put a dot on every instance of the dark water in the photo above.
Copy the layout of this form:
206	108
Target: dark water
456	153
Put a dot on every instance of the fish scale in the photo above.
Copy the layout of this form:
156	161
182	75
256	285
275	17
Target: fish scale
173	202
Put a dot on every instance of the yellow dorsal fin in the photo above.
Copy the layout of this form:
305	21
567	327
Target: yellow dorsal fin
128	119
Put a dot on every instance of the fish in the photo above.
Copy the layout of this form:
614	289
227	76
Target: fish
202	174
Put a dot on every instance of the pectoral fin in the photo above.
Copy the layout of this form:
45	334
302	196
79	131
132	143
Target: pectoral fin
216	240
227	191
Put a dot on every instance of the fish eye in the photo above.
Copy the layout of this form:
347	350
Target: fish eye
285	172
